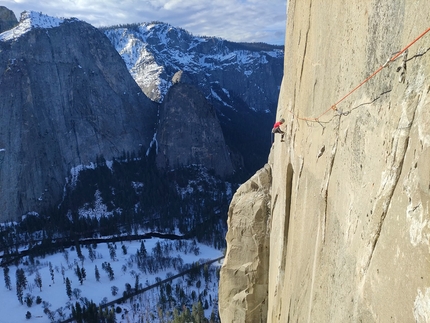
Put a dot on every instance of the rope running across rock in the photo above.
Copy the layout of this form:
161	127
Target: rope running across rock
390	60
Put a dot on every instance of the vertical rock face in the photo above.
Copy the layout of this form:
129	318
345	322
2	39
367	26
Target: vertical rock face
7	19
350	223
243	292
66	96
189	132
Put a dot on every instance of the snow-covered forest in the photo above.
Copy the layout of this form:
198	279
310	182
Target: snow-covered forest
127	244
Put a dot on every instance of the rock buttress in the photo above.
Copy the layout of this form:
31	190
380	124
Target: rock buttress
243	277
190	133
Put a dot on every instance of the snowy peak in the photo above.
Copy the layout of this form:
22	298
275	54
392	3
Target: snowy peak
154	52
28	21
183	46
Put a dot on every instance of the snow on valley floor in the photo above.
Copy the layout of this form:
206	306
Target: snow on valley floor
12	311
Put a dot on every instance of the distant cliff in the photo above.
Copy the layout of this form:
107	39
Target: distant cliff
66	97
240	80
189	131
344	201
7	19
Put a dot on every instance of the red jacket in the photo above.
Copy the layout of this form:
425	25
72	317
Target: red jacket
277	124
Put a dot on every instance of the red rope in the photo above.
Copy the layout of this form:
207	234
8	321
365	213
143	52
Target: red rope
392	59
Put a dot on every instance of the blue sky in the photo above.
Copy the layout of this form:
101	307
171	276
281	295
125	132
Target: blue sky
235	20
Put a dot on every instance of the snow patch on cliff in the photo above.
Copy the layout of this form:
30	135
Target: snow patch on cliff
28	21
217	97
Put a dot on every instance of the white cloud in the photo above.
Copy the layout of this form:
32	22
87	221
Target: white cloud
235	20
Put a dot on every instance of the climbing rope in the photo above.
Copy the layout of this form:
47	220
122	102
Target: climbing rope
390	60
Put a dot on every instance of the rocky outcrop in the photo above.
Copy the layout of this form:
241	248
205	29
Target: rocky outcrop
7	19
189	132
243	292
349	221
181	77
66	97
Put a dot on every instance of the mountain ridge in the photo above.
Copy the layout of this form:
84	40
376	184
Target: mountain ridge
63	101
228	74
172	49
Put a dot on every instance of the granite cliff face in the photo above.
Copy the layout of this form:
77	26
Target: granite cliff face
7	19
349	221
66	97
189	131
244	280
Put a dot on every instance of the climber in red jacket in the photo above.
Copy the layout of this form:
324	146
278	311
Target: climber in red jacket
277	128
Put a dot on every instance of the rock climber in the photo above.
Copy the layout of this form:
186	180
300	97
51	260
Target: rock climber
277	128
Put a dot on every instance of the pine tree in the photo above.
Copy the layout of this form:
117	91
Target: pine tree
136	283
111	318
107	267
79	274
112	252
21	284
110	272
83	273
198	313
169	291
66	256
79	251
127	288
97	274
77	315
51	271
142	250
22	278
7	278
91	253
206	273
68	288
38	280
183	317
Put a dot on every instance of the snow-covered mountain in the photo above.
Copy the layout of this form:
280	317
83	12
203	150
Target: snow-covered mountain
154	51
65	97
30	20
241	80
